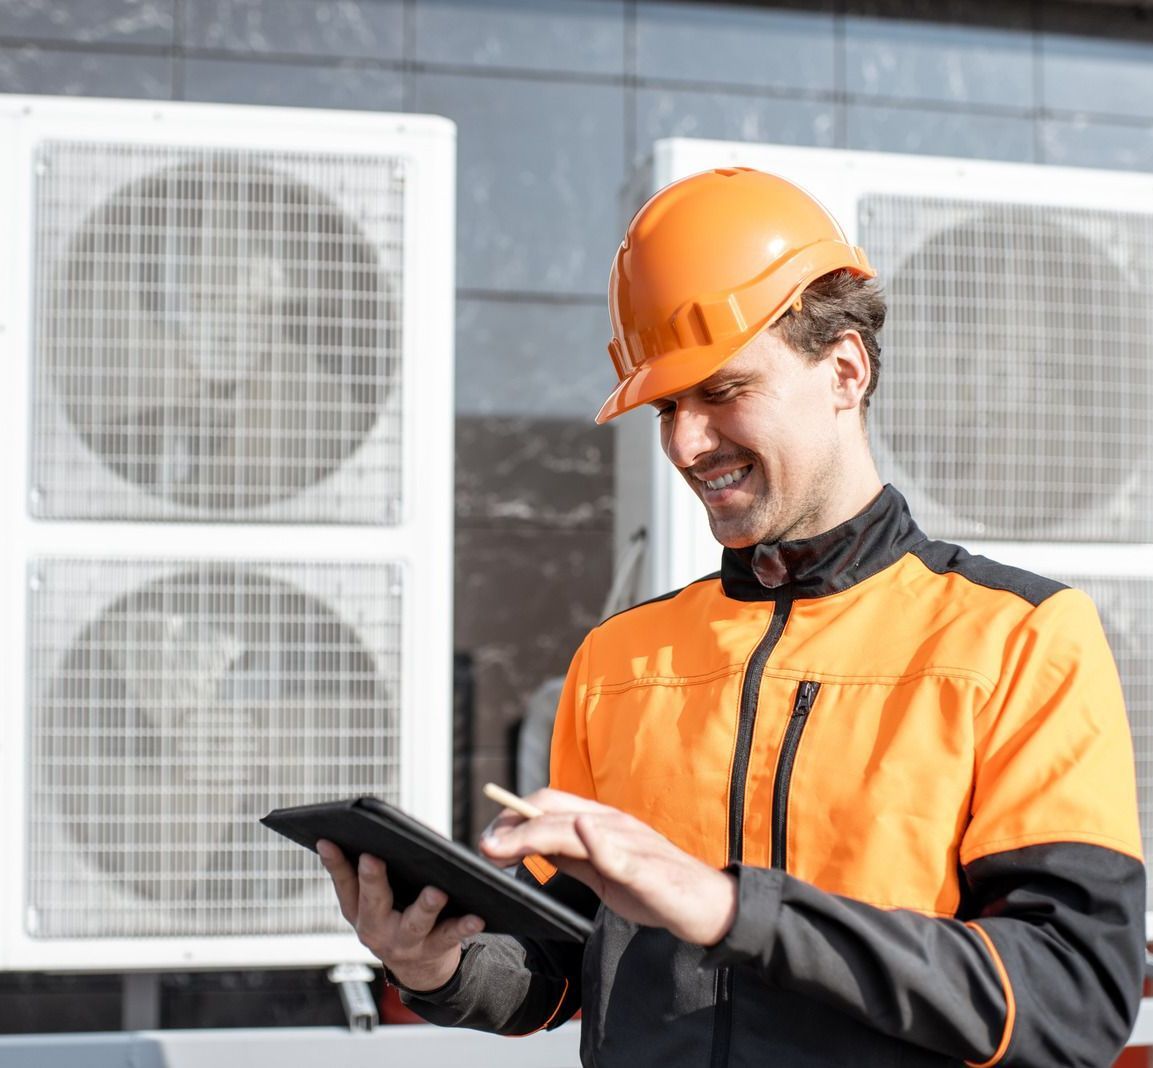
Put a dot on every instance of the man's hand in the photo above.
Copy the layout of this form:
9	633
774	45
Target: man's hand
421	953
635	871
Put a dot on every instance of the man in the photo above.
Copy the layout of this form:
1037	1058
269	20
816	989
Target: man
857	799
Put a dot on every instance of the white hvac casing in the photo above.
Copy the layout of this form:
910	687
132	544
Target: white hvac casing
1015	402
226	505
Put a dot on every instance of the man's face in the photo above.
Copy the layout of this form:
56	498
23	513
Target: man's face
757	443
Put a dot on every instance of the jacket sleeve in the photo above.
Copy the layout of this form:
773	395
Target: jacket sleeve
510	985
1043	963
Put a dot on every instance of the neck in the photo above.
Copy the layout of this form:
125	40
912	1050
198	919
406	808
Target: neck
826	563
854	484
858	486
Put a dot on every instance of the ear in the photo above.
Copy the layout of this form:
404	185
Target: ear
849	363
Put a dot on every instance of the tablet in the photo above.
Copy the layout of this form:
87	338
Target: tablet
417	856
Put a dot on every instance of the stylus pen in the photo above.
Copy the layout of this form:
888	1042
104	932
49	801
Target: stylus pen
505	797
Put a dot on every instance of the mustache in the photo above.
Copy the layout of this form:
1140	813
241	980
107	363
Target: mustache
717	460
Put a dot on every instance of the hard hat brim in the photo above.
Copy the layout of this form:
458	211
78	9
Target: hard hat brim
673	373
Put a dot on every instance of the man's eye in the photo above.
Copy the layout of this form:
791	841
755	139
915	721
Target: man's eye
664	413
720	395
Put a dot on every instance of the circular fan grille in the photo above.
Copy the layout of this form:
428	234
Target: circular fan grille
1015	388
189	709
221	334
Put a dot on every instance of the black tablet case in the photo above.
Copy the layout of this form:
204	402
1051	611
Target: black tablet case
416	857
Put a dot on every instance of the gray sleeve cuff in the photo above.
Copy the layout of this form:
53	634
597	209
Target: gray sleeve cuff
754	930
503	984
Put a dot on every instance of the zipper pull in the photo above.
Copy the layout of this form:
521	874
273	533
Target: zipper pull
806	694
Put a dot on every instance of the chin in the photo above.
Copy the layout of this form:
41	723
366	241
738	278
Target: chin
735	539
740	528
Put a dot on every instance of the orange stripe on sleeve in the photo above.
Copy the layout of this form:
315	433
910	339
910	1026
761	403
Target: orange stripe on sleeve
1010	1001
563	995
542	871
540	868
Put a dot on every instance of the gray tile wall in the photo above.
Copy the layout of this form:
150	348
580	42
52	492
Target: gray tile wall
555	101
585	37
314	28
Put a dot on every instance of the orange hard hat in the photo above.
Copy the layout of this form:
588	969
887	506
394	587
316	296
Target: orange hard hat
706	264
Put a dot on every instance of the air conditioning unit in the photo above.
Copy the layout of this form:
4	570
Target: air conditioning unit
1015	408
225	475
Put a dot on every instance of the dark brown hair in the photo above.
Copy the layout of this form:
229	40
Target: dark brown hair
832	305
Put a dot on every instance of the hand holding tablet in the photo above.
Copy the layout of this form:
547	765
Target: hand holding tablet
417	856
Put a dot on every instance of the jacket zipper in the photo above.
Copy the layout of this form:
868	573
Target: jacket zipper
747	719
802	706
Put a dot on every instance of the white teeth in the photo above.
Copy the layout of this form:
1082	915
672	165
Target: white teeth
729	479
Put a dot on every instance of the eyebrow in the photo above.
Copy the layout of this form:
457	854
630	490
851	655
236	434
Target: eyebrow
722	379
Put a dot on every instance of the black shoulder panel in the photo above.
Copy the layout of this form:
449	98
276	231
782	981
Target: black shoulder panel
944	558
661	597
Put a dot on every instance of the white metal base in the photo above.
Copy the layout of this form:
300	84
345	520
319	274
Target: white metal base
1143	1029
429	1047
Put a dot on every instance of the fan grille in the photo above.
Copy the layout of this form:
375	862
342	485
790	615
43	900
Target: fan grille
1015	396
220	331
1126	609
174	704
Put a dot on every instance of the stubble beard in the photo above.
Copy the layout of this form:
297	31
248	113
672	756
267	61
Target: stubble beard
752	527
764	522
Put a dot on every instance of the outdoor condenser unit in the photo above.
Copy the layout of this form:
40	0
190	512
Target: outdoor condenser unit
225	476
1015	404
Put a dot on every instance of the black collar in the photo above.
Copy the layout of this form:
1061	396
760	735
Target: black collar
828	563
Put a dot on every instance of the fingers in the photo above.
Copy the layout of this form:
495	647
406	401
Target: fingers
453	932
421	933
375	890
552	835
418	920
422	953
364	892
376	920
558	801
421	926
343	876
501	822
548	802
605	851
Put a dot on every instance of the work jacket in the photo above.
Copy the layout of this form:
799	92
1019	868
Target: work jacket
917	764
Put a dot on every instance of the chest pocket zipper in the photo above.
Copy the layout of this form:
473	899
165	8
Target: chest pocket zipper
802	706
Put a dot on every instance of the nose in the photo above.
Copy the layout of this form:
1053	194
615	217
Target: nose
687	434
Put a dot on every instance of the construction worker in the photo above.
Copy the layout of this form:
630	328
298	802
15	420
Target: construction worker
859	798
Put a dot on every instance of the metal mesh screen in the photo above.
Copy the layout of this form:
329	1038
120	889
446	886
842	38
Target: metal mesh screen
1014	398
217	335
172	705
1126	609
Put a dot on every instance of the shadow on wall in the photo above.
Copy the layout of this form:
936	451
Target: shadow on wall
533	566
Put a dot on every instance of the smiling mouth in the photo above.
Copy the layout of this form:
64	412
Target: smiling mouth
729	479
